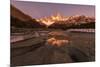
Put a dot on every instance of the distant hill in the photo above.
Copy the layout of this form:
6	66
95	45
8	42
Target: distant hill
21	20
15	12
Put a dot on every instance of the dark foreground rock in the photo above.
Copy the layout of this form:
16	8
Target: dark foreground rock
81	49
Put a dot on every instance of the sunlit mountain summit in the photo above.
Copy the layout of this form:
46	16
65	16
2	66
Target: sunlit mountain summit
58	18
51	19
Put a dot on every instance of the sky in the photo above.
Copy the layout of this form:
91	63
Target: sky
39	9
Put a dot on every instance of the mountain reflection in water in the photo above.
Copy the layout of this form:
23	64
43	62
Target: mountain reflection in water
58	38
57	42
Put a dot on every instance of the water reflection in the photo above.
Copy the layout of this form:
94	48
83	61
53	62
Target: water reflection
58	39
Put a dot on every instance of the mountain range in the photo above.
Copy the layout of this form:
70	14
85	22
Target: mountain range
21	20
67	19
